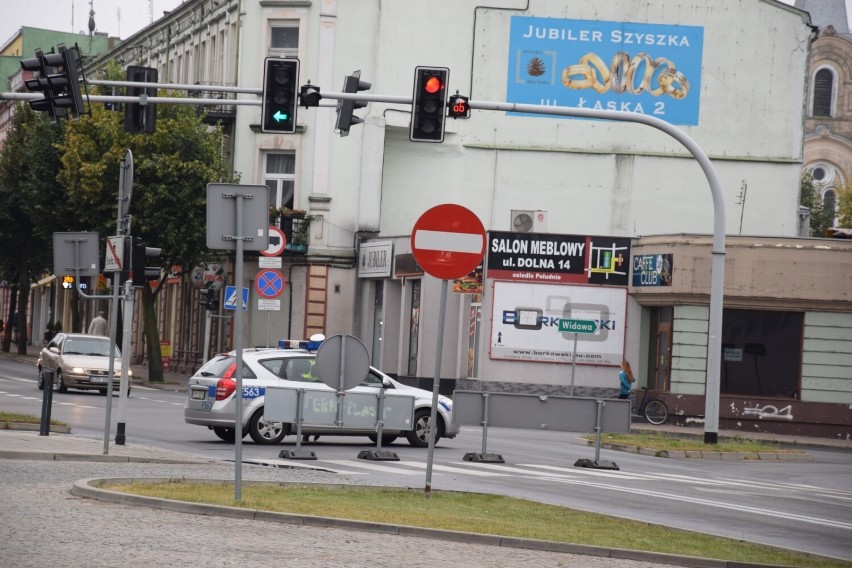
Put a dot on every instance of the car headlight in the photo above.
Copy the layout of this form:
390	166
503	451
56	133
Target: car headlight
78	371
445	403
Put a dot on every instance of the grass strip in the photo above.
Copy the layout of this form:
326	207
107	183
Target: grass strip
475	513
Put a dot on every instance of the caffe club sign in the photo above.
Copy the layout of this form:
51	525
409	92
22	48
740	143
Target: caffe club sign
554	258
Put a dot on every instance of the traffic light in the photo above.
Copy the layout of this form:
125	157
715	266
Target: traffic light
280	95
209	299
140	117
346	108
141	272
309	95
58	80
428	109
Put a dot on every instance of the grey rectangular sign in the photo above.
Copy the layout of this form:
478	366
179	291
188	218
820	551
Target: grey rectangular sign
319	408
534	412
222	216
73	251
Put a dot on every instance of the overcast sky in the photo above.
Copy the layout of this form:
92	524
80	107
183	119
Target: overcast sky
121	18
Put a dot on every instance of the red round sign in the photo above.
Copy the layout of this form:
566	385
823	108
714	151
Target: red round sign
448	241
277	242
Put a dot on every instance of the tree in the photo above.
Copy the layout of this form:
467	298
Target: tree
32	206
844	205
811	197
172	168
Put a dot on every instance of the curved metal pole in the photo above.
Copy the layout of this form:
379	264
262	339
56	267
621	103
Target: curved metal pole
717	267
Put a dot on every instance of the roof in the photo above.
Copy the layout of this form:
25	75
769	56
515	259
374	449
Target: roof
826	13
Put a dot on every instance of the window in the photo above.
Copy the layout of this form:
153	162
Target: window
378	316
829	203
761	353
280	178
284	40
823	92
414	333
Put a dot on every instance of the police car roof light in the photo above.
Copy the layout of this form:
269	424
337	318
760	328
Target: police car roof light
308	345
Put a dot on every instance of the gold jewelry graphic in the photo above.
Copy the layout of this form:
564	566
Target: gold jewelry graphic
622	75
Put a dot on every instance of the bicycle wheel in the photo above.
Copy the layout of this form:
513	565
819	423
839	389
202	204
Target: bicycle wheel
656	412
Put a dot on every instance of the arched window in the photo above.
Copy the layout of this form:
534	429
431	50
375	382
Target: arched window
823	90
829	203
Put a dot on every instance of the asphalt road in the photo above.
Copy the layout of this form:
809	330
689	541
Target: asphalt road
799	505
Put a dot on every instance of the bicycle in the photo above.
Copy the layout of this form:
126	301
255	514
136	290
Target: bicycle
653	410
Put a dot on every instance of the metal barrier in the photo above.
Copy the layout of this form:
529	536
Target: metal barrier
540	412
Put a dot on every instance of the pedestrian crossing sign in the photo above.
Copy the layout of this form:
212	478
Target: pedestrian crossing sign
231	298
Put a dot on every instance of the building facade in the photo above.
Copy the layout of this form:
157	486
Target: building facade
828	118
532	179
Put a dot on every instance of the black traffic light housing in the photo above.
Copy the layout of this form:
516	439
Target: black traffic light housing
142	273
346	108
58	81
209	299
280	95
428	109
140	117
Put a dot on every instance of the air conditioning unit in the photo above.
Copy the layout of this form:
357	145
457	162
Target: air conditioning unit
528	221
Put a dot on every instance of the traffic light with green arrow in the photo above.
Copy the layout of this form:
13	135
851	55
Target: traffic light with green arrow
280	95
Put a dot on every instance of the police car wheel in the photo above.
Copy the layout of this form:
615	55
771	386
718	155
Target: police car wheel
419	435
264	431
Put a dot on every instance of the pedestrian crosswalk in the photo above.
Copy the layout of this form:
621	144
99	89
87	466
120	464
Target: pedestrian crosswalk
603	478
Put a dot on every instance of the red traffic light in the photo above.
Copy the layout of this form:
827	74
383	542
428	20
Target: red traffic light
432	85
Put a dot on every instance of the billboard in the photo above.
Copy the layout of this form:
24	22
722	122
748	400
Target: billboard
652	69
525	323
558	259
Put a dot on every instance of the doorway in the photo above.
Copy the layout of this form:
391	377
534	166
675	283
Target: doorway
660	356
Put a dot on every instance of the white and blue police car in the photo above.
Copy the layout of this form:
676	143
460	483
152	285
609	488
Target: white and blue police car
211	402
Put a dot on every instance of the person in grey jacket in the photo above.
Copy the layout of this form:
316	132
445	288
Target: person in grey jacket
98	326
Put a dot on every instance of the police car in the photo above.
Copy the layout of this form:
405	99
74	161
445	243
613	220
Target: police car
210	401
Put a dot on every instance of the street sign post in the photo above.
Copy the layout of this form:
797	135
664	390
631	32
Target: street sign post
448	242
576	327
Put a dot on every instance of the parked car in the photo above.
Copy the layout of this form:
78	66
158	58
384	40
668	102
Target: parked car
80	361
210	401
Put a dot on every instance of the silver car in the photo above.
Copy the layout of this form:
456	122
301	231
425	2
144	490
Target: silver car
80	361
210	401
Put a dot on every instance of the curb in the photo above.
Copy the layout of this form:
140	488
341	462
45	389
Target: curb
30	427
697	454
89	489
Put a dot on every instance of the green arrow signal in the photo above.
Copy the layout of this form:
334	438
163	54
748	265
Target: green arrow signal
279	116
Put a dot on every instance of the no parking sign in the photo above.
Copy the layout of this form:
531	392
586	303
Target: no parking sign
269	283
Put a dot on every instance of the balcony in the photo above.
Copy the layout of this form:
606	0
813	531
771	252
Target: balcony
217	113
295	226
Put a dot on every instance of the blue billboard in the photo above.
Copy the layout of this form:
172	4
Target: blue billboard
652	69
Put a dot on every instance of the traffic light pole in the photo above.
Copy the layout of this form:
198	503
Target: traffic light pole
124	382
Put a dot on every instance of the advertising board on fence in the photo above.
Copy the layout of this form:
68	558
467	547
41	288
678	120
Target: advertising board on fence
525	323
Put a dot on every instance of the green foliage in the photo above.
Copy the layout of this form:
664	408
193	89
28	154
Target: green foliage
811	197
844	206
171	170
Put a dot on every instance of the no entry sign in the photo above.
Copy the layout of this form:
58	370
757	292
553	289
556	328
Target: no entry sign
448	241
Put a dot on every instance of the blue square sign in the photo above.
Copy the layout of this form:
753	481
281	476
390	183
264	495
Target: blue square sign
231	298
